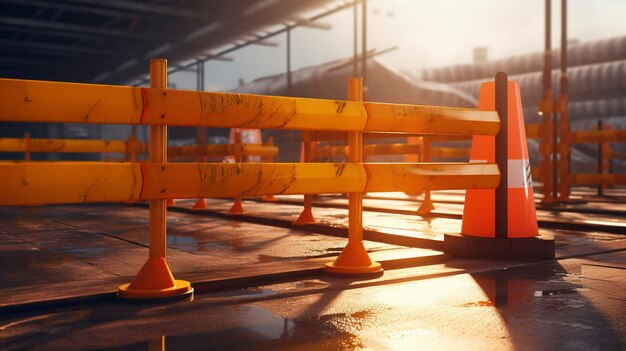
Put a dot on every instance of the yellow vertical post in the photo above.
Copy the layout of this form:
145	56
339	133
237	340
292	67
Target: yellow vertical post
354	259
546	128
306	217
155	280
427	206
563	126
237	207
27	146
270	159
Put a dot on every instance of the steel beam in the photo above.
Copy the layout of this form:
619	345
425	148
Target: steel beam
31	46
48	25
146	8
87	8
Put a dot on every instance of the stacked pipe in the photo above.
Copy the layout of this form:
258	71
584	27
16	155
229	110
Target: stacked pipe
607	50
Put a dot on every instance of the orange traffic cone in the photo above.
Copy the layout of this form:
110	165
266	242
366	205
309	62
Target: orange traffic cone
237	207
269	198
200	205
427	206
504	218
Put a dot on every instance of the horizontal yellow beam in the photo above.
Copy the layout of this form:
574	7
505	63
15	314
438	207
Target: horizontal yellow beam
68	182
368	150
598	136
39	101
449	152
598	179
419	177
71	145
223	150
332	136
430	119
391	149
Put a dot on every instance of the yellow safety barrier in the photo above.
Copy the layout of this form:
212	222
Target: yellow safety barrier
73	182
532	131
332	136
217	150
32	101
598	136
157	180
598	179
70	145
602	136
389	149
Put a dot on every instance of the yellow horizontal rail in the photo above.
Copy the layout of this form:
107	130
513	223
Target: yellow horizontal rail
598	136
68	182
368	150
598	179
390	149
40	101
223	150
332	136
449	152
71	145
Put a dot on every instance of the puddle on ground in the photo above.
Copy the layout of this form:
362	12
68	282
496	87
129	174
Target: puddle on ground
540	293
254	328
243	293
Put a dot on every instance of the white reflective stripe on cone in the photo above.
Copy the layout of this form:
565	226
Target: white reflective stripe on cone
519	175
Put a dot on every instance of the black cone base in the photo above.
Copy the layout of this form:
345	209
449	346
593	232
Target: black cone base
535	248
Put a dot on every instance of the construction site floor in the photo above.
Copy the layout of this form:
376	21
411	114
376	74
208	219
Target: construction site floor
259	282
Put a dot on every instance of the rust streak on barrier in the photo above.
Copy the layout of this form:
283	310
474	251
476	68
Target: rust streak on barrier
48	182
32	101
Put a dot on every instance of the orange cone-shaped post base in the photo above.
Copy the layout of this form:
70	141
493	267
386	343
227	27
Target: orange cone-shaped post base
155	281
237	207
306	217
269	198
426	207
200	205
354	259
171	202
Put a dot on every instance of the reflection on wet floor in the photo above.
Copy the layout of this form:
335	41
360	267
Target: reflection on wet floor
545	306
450	304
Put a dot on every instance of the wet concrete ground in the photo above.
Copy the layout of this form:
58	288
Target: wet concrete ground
433	302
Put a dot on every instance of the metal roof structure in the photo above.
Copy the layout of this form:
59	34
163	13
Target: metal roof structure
110	41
